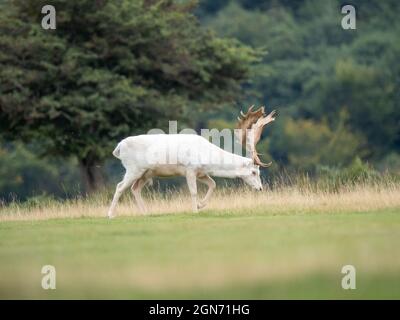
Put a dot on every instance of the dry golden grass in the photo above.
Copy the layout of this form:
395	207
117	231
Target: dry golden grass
281	200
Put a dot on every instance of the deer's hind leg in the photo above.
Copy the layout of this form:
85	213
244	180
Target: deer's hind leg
207	180
129	178
137	187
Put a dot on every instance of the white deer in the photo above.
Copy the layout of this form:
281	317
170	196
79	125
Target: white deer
192	156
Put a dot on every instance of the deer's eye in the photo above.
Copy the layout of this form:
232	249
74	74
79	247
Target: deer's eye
253	173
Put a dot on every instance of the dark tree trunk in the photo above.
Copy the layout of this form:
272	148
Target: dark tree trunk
92	175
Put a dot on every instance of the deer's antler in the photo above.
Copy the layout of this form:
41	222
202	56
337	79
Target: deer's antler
252	124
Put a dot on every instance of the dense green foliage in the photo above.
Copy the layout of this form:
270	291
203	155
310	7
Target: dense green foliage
111	69
115	68
337	90
23	175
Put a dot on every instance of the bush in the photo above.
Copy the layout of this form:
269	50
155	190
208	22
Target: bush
358	172
39	201
307	144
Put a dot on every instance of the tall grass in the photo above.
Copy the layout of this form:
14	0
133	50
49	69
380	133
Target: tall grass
332	192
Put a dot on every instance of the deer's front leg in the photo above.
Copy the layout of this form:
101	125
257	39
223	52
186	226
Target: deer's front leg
191	181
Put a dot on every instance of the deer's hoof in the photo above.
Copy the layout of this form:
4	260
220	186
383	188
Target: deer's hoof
201	205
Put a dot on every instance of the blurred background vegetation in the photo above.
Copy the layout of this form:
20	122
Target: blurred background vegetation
115	68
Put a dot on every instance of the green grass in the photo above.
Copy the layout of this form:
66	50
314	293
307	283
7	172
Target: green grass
226	254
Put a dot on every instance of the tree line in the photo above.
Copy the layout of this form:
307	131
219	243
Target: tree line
114	68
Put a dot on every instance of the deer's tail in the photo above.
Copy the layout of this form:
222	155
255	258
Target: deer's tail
116	152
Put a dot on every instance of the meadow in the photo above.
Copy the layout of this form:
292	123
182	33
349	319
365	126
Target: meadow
288	242
121	68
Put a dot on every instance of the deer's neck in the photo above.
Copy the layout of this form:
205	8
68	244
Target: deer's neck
229	165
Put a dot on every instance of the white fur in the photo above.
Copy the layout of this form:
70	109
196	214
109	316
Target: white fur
189	155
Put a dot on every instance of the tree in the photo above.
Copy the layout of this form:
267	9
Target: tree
24	175
112	68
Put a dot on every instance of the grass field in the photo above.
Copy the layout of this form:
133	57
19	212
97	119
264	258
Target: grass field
275	244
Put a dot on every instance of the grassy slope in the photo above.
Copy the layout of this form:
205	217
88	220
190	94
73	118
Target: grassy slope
211	255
